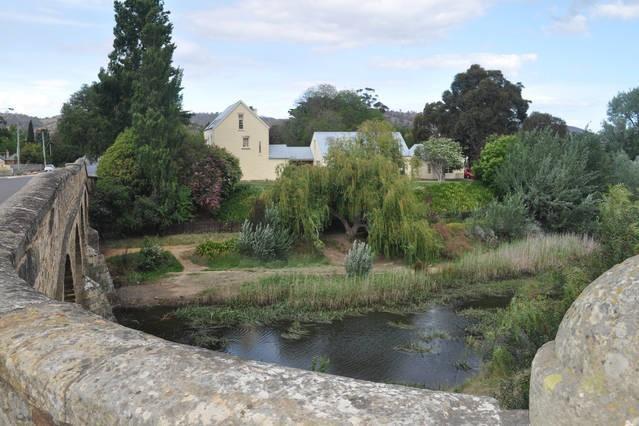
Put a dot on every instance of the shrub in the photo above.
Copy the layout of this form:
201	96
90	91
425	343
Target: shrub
625	171
213	248
214	177
359	260
268	240
555	179
503	220
454	199
240	203
618	229
151	255
454	239
492	156
119	161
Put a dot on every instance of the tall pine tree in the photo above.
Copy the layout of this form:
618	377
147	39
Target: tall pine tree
30	133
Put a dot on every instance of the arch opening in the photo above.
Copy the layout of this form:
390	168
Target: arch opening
69	289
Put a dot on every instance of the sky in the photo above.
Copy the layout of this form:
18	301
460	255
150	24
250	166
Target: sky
571	56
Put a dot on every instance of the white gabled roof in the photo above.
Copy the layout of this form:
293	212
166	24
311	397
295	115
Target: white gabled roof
228	111
285	152
326	139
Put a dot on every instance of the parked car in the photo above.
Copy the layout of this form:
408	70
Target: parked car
468	173
49	168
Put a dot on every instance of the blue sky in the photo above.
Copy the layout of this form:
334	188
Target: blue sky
572	57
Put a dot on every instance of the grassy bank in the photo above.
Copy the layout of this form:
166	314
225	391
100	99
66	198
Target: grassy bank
170	240
128	269
239	261
305	297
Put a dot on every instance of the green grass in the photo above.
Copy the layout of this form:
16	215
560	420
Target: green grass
453	199
170	240
237	207
239	261
125	269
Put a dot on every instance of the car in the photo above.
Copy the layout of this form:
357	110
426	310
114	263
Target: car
49	168
468	173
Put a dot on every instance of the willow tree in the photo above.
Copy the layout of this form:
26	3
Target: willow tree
362	187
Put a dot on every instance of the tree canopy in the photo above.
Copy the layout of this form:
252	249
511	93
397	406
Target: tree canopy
479	103
443	154
621	130
540	121
324	108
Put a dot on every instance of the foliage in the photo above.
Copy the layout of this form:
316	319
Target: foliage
135	268
239	204
376	137
543	121
502	220
321	364
492	157
453	199
214	177
479	103
554	179
265	241
618	229
359	259
397	227
119	161
31	153
621	130
625	171
324	108
301	196
151	255
30	133
443	154
212	248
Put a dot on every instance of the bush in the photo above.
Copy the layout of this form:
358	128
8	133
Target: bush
359	260
492	156
618	229
212	248
239	205
555	179
214	177
453	199
625	171
119	161
151	256
454	239
502	220
266	241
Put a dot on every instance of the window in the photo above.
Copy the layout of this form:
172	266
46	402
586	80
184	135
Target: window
245	142
259	147
240	121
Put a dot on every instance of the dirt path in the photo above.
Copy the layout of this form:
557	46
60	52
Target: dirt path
187	286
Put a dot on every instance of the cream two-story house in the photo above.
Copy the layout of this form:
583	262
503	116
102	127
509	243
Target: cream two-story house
244	134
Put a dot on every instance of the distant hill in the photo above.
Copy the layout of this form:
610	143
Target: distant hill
401	118
22	121
202	119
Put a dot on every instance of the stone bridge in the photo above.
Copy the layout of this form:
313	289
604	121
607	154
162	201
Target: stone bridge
63	362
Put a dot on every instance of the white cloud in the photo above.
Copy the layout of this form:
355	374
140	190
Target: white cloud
337	23
510	63
38	97
572	24
619	9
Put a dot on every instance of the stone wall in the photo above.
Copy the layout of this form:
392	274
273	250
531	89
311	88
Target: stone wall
60	364
590	373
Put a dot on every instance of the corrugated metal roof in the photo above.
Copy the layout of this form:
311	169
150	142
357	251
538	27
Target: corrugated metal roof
285	152
326	139
224	114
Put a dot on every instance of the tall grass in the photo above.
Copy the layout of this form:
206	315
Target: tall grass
335	293
529	256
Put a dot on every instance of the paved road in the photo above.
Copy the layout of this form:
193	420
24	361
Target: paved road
11	185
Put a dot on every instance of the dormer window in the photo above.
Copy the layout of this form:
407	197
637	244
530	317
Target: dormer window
240	121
